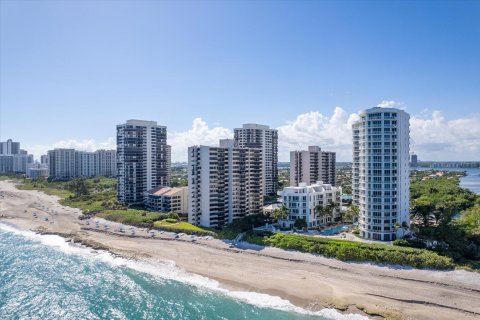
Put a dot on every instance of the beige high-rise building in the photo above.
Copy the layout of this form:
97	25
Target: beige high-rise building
312	165
224	183
262	137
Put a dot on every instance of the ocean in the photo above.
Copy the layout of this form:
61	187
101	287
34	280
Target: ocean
45	277
471	181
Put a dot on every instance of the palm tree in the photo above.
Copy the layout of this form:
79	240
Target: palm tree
320	210
332	207
280	213
352	212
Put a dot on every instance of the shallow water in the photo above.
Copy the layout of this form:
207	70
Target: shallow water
44	277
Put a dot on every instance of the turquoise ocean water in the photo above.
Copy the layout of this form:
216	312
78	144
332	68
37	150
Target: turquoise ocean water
44	277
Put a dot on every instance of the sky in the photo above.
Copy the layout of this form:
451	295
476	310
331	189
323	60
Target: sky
70	71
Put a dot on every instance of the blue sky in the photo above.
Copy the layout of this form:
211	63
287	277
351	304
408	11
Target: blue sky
71	71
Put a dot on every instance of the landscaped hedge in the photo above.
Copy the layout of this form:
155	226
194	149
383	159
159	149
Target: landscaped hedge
358	251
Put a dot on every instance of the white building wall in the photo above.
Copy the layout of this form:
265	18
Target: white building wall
301	202
380	173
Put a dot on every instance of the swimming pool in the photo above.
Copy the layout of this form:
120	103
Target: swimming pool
334	230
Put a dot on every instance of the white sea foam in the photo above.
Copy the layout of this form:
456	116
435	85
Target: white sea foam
169	271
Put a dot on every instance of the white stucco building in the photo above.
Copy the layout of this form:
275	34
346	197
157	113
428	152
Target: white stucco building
380	171
302	200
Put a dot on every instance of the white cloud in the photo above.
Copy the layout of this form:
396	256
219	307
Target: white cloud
387	104
432	136
84	145
436	138
332	133
199	134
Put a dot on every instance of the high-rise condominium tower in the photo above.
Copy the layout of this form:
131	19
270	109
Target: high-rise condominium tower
142	159
380	173
71	163
312	165
9	147
262	137
224	183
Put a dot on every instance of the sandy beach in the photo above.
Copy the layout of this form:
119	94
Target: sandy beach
308	281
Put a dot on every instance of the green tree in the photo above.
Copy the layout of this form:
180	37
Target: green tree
332	208
422	209
321	211
300	224
469	221
79	187
352	213
280	213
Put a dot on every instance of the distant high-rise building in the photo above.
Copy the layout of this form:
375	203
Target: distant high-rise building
380	174
224	183
106	162
14	159
44	159
71	163
414	160
86	164
9	147
312	165
266	139
62	164
142	159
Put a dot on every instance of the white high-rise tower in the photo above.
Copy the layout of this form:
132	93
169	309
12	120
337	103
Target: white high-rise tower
380	173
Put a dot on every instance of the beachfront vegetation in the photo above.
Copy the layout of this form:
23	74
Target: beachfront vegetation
136	217
445	217
356	251
184	227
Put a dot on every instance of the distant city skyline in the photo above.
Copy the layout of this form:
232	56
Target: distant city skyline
71	71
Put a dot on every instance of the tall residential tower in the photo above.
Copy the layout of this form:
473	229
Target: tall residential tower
266	139
142	159
312	165
224	183
380	173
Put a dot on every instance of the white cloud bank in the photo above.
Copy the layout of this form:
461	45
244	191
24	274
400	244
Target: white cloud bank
85	145
432	136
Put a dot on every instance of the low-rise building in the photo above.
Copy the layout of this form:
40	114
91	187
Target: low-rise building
39	172
303	200
167	199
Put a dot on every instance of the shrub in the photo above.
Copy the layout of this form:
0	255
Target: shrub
183	227
414	243
358	251
170	220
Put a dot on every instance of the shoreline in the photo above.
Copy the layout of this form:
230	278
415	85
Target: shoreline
307	281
